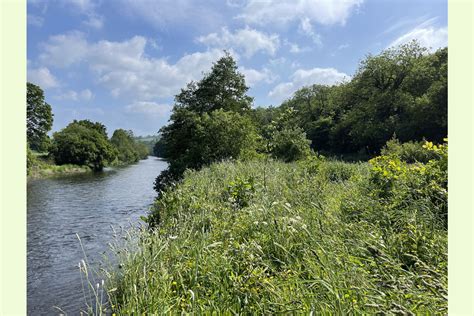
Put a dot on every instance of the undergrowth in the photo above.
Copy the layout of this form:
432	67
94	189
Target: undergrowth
314	236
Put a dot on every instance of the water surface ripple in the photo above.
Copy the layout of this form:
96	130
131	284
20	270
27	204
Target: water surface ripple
88	205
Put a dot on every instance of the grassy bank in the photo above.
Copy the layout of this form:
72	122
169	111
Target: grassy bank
40	166
313	236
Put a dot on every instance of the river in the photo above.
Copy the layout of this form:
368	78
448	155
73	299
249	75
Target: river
86	204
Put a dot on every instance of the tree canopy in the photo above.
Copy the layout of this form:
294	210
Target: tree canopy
210	121
401	91
128	150
83	143
39	117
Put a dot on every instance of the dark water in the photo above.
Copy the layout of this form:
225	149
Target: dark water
88	205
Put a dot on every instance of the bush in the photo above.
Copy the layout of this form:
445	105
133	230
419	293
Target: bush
410	152
82	145
290	144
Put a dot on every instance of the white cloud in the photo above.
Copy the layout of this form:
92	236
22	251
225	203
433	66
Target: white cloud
64	50
253	76
42	77
149	108
430	37
325	12
162	14
35	20
306	28
302	77
247	40
94	21
124	68
71	95
295	48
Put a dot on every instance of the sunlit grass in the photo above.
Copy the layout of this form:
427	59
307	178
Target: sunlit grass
311	237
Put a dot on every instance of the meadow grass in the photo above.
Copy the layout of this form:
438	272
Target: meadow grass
264	237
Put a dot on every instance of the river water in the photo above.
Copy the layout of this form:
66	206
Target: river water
87	205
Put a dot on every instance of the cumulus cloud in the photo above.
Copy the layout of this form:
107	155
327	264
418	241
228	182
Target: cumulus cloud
42	77
306	28
253	76
430	37
71	95
94	21
124	68
302	77
149	108
325	12
247	40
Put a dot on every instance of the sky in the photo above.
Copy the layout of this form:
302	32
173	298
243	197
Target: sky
121	62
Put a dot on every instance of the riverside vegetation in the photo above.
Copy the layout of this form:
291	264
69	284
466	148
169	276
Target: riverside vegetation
81	146
251	218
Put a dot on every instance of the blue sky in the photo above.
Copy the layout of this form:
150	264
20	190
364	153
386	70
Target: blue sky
121	62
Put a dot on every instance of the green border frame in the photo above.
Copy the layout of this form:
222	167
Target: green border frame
460	165
13	157
13	161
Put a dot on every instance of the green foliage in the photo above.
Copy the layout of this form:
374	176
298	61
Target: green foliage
401	91
317	238
39	118
290	144
209	122
39	165
129	150
283	140
83	143
398	182
31	160
239	192
159	149
409	152
222	88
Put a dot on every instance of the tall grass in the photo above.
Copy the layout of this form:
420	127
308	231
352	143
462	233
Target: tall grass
312	237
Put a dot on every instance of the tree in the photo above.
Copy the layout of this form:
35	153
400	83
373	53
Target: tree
39	117
284	139
99	127
82	144
210	121
125	145
290	144
403	90
222	88
159	149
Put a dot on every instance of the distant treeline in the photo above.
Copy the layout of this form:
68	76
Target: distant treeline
400	93
83	143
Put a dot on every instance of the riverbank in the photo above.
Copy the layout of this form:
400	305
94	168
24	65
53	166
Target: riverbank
312	237
88	204
40	166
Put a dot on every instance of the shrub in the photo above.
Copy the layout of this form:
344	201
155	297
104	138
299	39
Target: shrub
80	144
410	152
239	192
290	144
